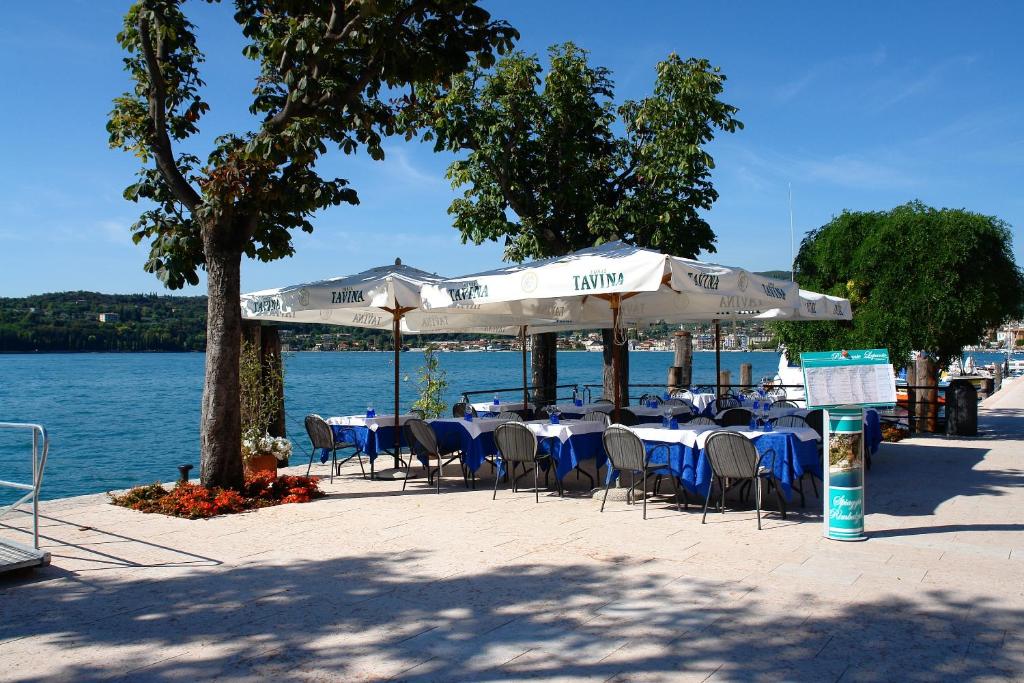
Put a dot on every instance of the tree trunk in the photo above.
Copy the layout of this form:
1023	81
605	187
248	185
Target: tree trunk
607	378
220	431
544	366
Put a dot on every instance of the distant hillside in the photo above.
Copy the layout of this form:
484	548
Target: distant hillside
70	321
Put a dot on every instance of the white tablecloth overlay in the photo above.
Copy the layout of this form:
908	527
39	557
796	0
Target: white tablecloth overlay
477	426
564	429
585	408
371	422
657	412
702	401
659	434
802	433
489	407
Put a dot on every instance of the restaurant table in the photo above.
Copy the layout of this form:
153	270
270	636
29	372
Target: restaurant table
575	412
796	453
371	435
475	438
569	443
489	408
703	404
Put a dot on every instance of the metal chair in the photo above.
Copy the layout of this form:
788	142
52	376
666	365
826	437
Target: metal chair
510	416
733	457
517	445
603	400
421	414
816	421
783	403
697	420
626	453
726	402
423	443
793	421
459	410
675	402
683	394
322	436
645	398
597	416
735	417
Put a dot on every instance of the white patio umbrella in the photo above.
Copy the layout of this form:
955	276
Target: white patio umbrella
614	285
382	298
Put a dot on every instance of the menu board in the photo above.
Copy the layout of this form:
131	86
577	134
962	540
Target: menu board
850	385
844	378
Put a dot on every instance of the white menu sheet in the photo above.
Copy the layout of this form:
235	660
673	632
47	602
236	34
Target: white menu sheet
850	385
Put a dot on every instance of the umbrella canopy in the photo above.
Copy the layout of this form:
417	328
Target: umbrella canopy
577	289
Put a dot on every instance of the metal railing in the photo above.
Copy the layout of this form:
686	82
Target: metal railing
587	391
40	449
519	390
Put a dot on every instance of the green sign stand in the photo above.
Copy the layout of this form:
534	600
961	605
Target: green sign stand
842	383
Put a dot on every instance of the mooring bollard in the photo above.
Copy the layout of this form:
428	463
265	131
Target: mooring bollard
184	470
961	408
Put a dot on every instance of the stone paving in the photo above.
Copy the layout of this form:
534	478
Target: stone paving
375	584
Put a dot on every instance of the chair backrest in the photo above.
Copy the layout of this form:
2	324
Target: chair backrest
675	402
421	414
421	437
460	409
624	448
597	416
735	417
783	403
790	421
510	416
726	402
319	431
816	421
515	442
602	400
644	398
732	455
701	420
627	417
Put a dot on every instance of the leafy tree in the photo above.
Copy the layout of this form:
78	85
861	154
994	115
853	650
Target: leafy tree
329	73
546	172
918	278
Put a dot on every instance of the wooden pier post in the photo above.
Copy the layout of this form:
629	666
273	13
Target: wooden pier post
928	408
912	425
724	381
680	375
997	377
746	375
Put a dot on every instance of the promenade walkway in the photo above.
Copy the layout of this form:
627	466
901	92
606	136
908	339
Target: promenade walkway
374	584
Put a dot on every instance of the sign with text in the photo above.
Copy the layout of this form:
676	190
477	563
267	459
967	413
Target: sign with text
843	378
843	382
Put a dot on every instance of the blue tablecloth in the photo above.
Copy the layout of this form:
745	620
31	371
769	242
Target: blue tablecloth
371	442
793	457
570	453
453	436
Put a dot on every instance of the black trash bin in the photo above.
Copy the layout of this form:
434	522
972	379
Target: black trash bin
961	408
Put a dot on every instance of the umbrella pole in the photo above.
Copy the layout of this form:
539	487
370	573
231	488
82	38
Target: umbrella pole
397	334
526	399
615	351
718	359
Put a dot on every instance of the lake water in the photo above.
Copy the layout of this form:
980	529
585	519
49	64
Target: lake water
116	420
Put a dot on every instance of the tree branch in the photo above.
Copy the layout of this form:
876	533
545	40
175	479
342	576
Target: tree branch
161	142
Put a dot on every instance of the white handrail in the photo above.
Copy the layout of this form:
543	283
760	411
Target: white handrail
40	449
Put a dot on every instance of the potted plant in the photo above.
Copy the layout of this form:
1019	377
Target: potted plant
260	385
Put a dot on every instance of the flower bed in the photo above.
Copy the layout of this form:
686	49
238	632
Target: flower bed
194	501
893	433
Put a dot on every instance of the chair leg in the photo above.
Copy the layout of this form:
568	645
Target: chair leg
361	468
643	492
778	496
757	501
536	491
408	468
334	462
814	487
707	499
607	485
800	490
440	466
675	485
312	454
496	480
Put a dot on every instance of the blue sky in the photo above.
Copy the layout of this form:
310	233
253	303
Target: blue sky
857	105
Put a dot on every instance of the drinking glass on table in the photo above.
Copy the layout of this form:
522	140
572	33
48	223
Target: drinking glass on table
370	412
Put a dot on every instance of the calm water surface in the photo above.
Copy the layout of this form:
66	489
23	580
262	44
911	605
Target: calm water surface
116	420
